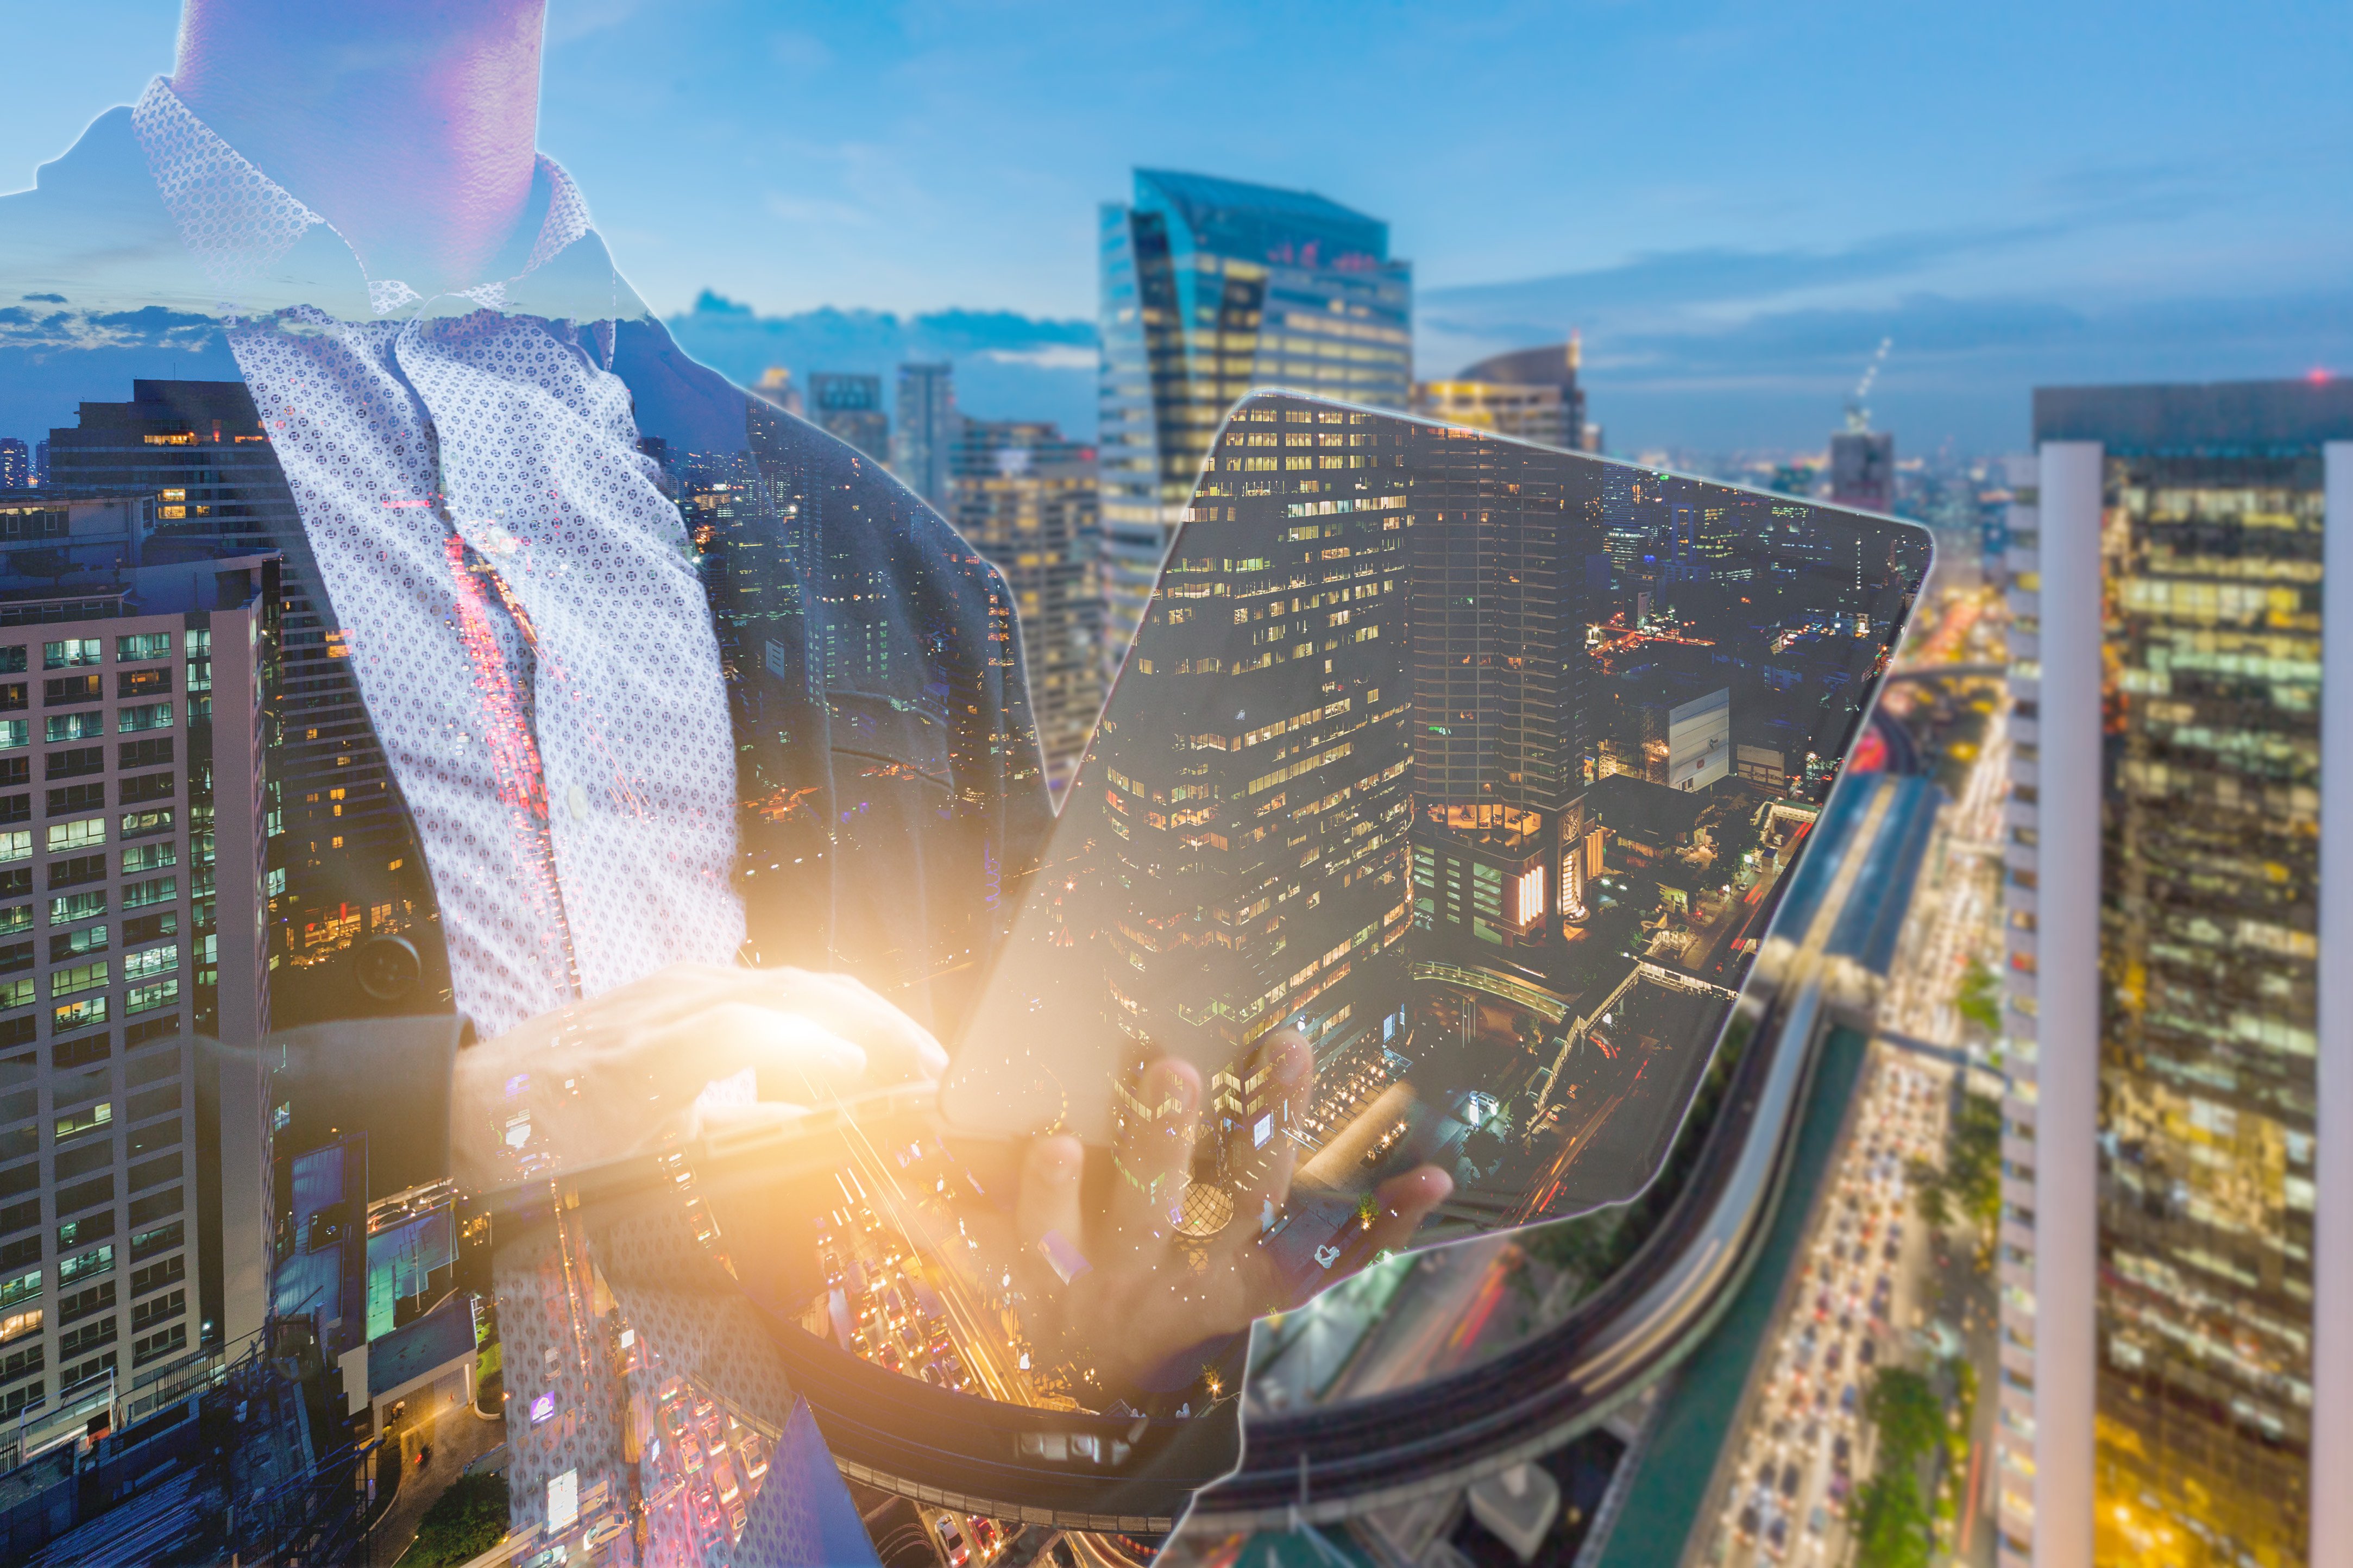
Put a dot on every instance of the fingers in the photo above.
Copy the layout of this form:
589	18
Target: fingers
731	1126
898	1048
1404	1202
794	1058
1266	1168
1047	1204
1156	1148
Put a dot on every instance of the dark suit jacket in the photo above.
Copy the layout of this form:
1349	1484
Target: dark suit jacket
890	787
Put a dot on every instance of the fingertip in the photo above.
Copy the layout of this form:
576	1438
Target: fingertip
1418	1190
1059	1158
1172	1084
1295	1060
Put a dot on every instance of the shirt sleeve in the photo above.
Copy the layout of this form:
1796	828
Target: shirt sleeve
389	1078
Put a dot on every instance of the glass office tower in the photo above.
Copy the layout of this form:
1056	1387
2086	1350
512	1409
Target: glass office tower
1211	286
2168	1332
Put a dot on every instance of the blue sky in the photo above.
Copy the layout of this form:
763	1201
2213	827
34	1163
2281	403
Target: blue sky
1733	201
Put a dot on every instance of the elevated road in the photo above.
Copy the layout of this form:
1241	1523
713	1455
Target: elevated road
1329	1463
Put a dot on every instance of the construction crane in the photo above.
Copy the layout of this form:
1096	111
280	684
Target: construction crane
1858	416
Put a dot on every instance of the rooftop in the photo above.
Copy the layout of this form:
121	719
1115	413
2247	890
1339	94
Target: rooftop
2189	416
441	1336
1263	222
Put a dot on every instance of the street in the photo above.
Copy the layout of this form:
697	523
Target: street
1862	1286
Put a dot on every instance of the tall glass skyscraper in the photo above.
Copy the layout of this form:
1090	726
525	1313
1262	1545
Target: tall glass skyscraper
2177	1291
1212	287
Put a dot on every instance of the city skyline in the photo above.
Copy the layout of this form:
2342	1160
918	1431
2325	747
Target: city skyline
2135	201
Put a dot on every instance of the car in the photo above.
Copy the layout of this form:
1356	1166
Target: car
1748	1522
723	1479
1842	1452
1817	1521
1777	1535
952	1541
1789	1479
1887	1253
985	1535
690	1452
930	1373
1867	1353
1832	1356
1848	1399
1840	1486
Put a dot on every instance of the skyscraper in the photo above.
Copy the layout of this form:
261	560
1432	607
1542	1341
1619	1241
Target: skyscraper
927	430
1211	286
2177	1233
1025	496
1531	394
851	406
15	464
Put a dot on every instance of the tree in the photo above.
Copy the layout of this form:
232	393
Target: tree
1891	1525
1978	998
463	1524
1929	1188
1908	1413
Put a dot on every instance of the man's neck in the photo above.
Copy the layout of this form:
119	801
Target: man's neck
411	128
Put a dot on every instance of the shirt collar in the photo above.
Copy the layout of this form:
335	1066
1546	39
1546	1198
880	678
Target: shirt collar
239	223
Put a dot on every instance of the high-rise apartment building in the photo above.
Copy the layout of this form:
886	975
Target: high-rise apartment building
131	679
927	430
2177	1234
851	406
1210	288
198	448
15	464
1531	394
1025	497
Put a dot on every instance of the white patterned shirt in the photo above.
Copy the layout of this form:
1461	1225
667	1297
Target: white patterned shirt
518	597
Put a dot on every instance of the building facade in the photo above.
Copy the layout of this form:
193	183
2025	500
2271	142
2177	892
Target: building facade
1025	497
1210	288
851	406
2174	1271
132	690
1862	469
922	441
1531	394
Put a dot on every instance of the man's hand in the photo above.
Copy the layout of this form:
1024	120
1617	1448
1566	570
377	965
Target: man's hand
672	1056
1136	1295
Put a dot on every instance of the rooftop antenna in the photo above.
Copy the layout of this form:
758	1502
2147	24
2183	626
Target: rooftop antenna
1858	416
